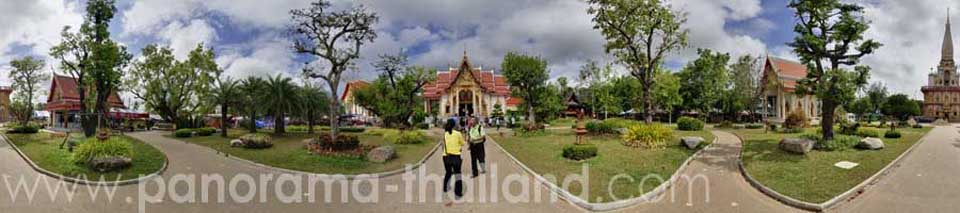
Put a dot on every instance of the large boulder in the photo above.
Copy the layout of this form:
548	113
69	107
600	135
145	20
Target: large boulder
691	142
941	122
797	145
107	164
236	143
381	154
911	122
870	143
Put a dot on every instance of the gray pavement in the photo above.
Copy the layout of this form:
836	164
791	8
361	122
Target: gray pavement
925	181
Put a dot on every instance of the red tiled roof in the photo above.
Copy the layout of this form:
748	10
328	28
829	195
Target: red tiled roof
514	101
66	87
355	85
786	68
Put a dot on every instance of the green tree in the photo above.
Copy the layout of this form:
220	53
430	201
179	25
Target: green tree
899	107
394	96
704	80
336	38
26	75
281	97
174	89
564	85
253	94
225	94
527	76
860	107
830	35
639	33
743	91
877	96
93	60
667	92
313	103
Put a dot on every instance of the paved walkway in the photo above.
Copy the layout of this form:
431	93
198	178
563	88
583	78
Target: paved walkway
926	180
189	159
715	170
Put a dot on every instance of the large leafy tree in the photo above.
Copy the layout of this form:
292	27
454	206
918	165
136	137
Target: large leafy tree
830	39
281	97
704	80
527	76
94	60
335	37
639	34
26	75
860	107
877	96
899	107
596	82
174	89
394	96
667	92
742	92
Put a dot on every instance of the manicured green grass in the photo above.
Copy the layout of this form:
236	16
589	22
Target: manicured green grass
542	153
44	149
563	122
812	177
288	152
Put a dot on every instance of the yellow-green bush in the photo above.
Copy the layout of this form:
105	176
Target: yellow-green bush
651	136
93	148
689	124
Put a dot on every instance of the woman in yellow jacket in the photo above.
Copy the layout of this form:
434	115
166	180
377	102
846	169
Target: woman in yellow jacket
453	143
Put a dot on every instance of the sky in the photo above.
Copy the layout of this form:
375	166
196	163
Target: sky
249	36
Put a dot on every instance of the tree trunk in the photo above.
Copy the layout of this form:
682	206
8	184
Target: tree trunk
278	123
334	109
310	122
647	105
253	121
531	114
826	121
223	119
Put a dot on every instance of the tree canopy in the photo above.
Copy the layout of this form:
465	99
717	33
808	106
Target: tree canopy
704	80
395	95
175	90
527	76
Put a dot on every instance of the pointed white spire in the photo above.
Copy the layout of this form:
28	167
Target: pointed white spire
946	52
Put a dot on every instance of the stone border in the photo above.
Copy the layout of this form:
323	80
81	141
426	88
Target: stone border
835	201
166	163
608	206
348	177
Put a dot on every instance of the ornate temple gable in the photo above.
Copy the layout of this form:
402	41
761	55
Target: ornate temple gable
469	80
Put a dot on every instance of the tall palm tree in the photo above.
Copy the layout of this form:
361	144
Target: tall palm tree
226	94
253	93
313	102
281	98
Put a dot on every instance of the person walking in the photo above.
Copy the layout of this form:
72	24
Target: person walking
453	142
477	136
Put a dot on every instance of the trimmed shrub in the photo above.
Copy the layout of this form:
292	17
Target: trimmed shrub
868	132
579	151
352	129
754	126
814	137
297	128
24	129
183	133
595	127
93	148
342	142
839	142
410	137
256	141
796	119
206	131
892	134
791	130
725	124
651	136
620	122
689	124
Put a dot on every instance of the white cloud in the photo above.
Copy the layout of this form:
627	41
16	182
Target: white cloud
184	38
34	27
270	56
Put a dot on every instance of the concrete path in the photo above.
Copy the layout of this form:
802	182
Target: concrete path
714	185
189	162
927	180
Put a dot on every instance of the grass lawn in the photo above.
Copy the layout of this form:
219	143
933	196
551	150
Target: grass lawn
812	177
44	149
288	153
542	153
563	122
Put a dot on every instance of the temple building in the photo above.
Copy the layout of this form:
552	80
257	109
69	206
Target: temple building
357	112
778	87
468	91
941	96
5	115
63	103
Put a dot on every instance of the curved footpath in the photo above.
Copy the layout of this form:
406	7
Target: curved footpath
925	180
714	170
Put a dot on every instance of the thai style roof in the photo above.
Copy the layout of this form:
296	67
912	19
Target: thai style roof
64	95
489	81
787	71
352	85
